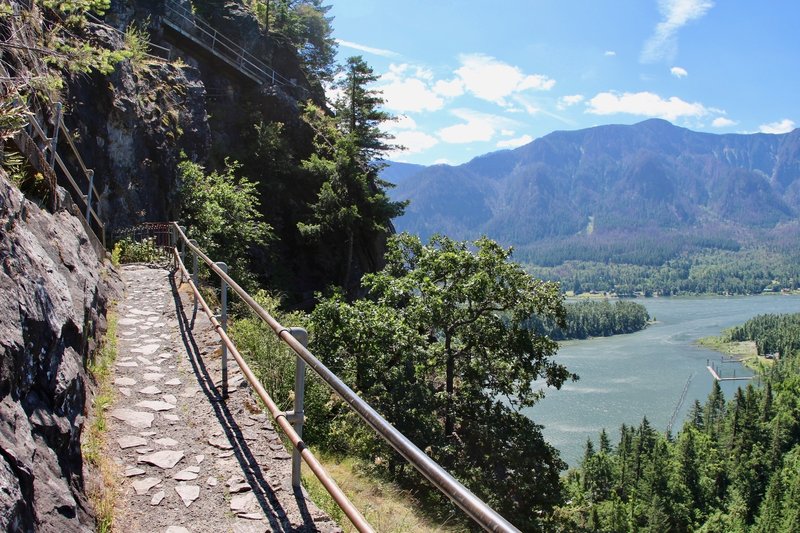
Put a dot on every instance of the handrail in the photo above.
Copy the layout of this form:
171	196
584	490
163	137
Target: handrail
478	510
57	161
242	59
352	513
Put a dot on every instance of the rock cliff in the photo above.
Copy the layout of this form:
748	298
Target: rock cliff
54	291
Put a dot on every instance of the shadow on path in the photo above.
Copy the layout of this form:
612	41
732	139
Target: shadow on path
265	495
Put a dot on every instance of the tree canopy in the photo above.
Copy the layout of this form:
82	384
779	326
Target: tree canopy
440	347
352	207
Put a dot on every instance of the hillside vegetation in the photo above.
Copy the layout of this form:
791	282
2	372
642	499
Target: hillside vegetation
733	467
643	208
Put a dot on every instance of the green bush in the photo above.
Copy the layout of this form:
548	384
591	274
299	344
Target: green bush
274	365
129	251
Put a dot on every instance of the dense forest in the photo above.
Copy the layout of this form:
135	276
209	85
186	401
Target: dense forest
734	466
747	271
592	318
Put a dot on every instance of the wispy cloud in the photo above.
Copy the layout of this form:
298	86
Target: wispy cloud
782	126
476	126
644	104
663	44
368	49
678	72
569	100
514	143
723	122
609	53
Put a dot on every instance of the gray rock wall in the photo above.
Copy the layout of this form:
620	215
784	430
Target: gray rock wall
53	297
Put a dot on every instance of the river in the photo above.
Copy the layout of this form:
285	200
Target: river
625	377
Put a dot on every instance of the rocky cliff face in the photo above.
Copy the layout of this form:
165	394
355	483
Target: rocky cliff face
53	295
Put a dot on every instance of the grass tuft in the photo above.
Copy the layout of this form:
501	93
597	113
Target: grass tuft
103	491
386	506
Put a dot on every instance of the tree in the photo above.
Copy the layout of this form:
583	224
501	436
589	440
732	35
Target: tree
352	210
458	310
220	210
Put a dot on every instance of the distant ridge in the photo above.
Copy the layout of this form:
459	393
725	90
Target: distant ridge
611	182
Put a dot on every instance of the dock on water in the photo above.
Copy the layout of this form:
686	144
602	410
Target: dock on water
734	378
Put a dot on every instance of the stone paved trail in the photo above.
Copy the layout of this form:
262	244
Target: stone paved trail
188	460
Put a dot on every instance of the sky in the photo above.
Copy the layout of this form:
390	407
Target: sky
468	77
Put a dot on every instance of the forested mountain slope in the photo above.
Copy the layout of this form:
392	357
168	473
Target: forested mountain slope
648	178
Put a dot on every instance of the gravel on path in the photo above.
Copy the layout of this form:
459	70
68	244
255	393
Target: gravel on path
189	460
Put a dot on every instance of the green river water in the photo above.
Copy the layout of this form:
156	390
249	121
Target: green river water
625	377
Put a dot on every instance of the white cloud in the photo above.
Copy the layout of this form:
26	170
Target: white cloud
414	142
402	122
527	105
514	143
676	14
678	72
609	53
646	104
450	88
368	49
410	94
442	161
406	88
476	127
722	122
569	100
783	126
490	79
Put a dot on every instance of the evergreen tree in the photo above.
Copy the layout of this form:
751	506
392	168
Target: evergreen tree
352	211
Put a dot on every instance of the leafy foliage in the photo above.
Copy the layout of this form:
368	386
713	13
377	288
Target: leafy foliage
130	251
352	208
747	271
306	24
591	318
441	349
221	212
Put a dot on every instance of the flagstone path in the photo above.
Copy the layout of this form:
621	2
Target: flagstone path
189	461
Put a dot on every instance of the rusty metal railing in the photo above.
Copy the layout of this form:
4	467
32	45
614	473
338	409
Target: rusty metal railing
285	420
182	20
54	161
473	506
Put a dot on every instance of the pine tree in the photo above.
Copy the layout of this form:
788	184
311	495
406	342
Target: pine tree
352	209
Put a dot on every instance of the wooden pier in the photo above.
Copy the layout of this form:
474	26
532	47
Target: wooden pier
734	378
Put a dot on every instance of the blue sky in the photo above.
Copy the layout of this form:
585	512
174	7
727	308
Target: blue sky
469	77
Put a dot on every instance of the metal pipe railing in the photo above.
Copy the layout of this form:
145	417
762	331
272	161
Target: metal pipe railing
478	510
218	43
54	160
280	417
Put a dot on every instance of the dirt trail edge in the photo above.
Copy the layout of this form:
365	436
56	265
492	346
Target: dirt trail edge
189	461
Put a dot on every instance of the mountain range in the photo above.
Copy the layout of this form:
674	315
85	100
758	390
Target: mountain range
623	185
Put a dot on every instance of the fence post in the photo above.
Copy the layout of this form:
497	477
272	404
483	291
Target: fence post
194	271
296	417
183	245
54	139
224	322
90	175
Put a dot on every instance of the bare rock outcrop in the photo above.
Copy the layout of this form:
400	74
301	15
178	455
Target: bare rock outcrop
53	295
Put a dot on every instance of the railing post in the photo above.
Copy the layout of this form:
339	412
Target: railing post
183	244
194	271
224	322
90	175
54	139
298	414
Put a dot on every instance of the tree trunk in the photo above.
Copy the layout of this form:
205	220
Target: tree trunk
348	267
449	423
